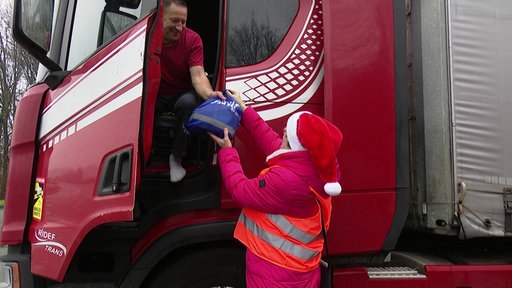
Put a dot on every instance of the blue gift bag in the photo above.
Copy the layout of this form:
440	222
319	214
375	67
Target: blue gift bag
215	114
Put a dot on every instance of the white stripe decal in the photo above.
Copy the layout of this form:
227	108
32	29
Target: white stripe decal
122	66
93	68
287	109
115	91
125	98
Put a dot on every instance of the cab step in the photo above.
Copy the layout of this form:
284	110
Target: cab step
393	272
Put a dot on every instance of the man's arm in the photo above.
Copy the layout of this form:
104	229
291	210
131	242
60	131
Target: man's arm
202	84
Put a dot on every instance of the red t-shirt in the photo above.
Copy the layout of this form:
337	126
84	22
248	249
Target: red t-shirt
176	61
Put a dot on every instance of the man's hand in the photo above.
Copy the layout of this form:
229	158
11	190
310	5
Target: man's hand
217	94
222	142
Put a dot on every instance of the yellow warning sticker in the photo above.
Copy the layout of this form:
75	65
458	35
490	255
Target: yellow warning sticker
37	212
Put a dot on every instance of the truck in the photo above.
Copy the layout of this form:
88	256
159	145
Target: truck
419	90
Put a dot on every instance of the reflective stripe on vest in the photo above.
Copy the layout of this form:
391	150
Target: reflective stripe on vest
280	243
264	238
289	242
291	230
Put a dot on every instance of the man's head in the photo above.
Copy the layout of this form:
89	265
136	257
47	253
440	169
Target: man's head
175	20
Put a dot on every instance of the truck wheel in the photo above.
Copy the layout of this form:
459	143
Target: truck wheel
215	267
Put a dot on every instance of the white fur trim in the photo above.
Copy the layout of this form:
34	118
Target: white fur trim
291	131
277	152
332	188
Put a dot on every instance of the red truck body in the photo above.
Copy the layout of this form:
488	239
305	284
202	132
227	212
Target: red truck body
88	198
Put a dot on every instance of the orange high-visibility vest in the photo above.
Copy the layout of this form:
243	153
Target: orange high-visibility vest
292	243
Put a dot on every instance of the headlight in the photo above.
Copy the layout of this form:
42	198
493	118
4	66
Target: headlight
9	275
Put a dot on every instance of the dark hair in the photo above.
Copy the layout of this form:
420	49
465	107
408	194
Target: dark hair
168	3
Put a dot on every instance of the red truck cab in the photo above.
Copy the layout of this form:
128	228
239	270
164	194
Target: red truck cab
89	201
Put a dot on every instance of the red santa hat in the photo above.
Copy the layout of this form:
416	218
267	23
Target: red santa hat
306	131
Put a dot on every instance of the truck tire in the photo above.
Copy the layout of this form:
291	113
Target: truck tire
213	267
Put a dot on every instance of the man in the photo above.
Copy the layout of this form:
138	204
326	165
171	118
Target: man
184	84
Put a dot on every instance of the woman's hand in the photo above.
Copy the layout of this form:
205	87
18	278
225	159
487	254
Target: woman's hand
236	96
222	142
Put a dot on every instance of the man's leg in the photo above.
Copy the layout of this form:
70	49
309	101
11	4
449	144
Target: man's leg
183	108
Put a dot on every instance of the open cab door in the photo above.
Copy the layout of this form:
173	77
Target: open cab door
87	145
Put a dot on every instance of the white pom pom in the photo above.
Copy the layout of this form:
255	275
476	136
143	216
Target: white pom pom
332	188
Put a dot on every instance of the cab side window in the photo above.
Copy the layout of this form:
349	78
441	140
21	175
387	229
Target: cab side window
255	29
96	22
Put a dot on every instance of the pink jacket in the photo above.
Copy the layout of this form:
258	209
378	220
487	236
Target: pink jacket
283	190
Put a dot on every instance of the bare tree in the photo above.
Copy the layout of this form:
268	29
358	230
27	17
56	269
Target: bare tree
17	70
251	43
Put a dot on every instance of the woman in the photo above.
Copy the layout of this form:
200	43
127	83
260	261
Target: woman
281	219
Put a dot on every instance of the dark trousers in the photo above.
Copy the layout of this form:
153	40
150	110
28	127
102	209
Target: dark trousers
182	105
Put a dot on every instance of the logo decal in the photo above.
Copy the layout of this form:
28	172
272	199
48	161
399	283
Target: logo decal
46	239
